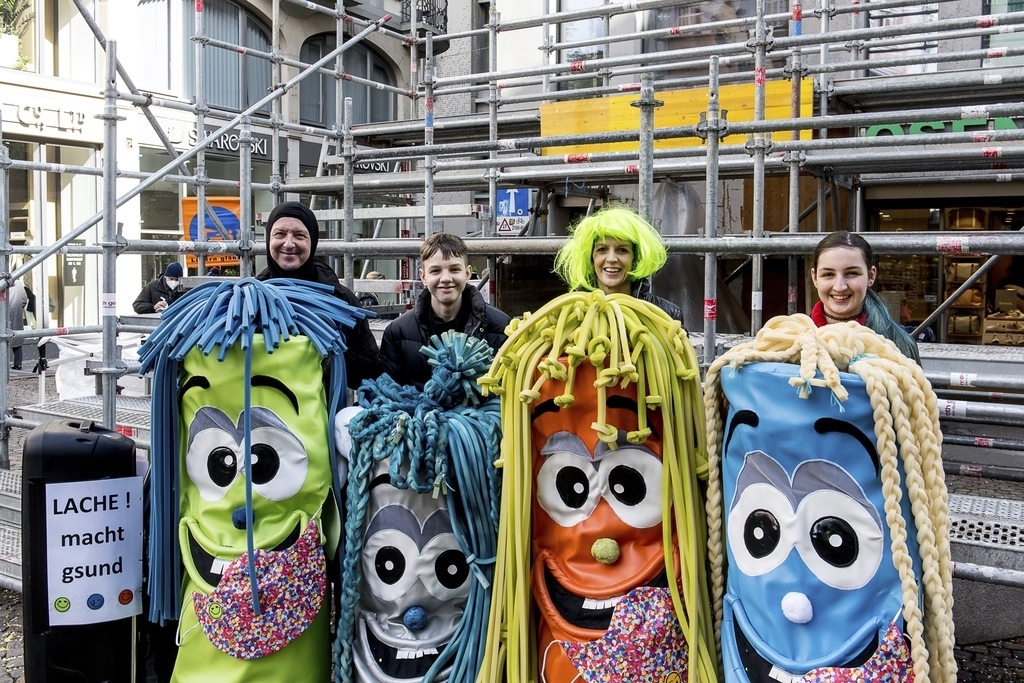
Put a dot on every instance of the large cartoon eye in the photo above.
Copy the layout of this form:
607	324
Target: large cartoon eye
761	533
221	465
212	463
842	543
279	463
756	529
568	488
443	568
451	569
389	562
835	541
572	486
633	486
265	463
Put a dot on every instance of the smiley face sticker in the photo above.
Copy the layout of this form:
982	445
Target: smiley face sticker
95	601
215	610
62	604
125	597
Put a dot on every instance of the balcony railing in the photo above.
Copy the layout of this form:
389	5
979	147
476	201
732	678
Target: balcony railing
433	13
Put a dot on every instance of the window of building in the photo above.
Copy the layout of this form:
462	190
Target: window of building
578	31
1003	39
317	94
231	80
710	13
903	16
17	34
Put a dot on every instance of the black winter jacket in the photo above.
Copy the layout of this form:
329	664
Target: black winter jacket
641	289
362	360
151	294
400	348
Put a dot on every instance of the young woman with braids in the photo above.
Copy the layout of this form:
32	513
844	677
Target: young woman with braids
843	274
618	252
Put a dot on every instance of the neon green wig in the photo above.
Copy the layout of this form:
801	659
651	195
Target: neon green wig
574	262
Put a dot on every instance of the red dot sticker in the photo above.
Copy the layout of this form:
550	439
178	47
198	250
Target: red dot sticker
125	597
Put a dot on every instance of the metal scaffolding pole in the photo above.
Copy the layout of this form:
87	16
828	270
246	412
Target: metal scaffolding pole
647	105
108	297
714	128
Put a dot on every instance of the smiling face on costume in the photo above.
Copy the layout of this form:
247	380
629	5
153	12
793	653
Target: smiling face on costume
289	244
587	494
415	583
810	575
291	474
842	277
613	260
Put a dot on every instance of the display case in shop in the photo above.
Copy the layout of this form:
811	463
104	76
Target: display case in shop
965	318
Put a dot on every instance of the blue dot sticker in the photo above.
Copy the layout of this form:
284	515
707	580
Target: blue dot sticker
95	601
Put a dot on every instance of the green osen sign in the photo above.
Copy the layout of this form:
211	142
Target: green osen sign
923	127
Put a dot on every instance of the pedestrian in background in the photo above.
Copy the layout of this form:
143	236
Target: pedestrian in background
16	302
161	292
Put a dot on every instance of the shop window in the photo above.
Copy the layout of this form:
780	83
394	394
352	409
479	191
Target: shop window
317	93
1002	39
232	81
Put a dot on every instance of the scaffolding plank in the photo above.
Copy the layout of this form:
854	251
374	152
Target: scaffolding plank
132	413
398	212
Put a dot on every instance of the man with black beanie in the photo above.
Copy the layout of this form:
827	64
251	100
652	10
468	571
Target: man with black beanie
292	236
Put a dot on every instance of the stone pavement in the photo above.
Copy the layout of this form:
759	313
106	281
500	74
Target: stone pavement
997	662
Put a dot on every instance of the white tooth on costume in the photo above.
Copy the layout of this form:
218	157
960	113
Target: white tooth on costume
415	654
218	565
783	676
589	603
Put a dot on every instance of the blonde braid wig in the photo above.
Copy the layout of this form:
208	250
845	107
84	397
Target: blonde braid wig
906	438
630	344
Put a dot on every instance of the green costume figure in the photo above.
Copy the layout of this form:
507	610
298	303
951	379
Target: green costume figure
243	488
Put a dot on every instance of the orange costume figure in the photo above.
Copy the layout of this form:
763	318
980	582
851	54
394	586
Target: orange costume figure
601	453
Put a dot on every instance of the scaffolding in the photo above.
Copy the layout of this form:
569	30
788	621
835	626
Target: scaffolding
483	152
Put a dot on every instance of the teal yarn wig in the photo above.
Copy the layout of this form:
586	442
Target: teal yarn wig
421	522
574	262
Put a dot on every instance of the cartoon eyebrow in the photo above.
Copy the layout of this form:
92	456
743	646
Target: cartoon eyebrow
626	403
742	417
402	519
198	381
825	425
274	383
548	406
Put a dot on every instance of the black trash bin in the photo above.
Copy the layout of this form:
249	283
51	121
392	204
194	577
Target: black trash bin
59	452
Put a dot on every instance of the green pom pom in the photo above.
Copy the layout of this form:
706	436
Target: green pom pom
605	551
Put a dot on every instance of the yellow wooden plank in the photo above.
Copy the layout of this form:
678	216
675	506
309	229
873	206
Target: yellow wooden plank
681	108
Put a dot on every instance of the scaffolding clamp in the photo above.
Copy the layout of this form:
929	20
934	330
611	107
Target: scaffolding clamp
794	156
719	126
767	44
758	142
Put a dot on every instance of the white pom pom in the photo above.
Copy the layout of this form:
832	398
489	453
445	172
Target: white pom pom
797	608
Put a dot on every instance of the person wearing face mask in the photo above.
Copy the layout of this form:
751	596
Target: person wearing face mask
618	252
161	292
292	236
842	271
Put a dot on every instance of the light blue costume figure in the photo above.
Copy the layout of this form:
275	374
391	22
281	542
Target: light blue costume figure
823	446
421	523
244	484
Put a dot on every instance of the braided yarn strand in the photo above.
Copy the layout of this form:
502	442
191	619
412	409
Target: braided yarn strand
907	433
629	342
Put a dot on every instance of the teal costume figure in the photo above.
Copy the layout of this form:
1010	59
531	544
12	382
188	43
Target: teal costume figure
421	522
248	377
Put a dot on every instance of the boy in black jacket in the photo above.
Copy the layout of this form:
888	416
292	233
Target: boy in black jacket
449	302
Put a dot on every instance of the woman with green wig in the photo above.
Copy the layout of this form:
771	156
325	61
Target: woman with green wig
616	251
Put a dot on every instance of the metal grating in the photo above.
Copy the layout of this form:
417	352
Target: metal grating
10	543
10	483
986	508
987	521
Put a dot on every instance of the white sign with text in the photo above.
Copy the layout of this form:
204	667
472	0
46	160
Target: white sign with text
94	550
